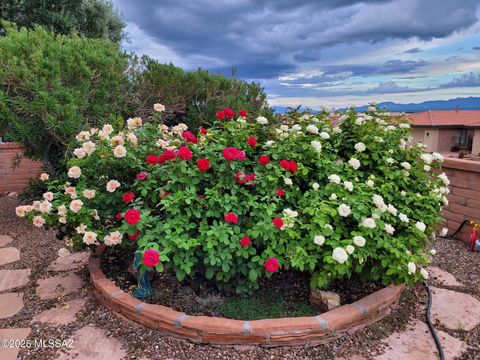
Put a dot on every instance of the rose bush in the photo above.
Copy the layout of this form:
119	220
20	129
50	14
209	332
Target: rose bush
328	195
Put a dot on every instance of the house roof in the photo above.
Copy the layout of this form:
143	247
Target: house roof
445	118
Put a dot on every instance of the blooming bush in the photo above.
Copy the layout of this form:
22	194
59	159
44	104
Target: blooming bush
329	195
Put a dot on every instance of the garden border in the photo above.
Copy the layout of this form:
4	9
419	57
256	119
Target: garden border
297	331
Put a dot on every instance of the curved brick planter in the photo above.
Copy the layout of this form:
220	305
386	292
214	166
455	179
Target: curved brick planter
297	331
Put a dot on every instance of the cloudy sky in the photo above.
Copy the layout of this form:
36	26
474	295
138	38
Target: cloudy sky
316	53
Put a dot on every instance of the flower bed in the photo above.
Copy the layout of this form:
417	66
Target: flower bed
300	331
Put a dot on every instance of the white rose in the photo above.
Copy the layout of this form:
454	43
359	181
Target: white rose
427	158
370	183
444	178
20	211
62	220
76	205
132	138
74	172
134	123
420	226
158	107
45	207
389	229
48	196
336	130
359	121
403	218
392	210
312	129
119	151
88	147
444	232
62	210
404	126
107	129
262	120
89	194
437	157
333	197
359	241
411	268
406	165
44	176
112	185
317	146
334	179
426	167
324	135
403	193
344	210
89	238
354	163
372	108
424	273
319	239
79	153
350	249
315	186
348	185
339	254
113	238
360	147
369	223
38	221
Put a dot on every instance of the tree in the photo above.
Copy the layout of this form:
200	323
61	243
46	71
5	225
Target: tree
91	18
52	86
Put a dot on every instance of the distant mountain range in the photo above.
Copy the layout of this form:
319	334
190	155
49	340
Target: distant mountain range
469	103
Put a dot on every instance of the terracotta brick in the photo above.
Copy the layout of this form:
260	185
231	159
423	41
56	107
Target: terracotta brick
233	339
473	203
449	215
99	250
285	325
459	182
96	275
341	316
106	287
379	298
469	194
467	212
298	339
461	164
213	324
161	313
126	300
138	317
455	199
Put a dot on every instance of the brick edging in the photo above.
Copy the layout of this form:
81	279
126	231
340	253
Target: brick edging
297	331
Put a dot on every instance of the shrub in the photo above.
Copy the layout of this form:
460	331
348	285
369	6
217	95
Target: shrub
249	197
52	86
193	97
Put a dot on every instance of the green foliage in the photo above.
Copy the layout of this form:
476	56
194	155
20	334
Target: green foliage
90	18
193	97
52	86
359	201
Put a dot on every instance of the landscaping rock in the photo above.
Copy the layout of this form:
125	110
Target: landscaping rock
10	304
92	343
62	314
55	286
5	240
11	279
10	353
455	310
442	277
9	255
72	262
416	343
324	300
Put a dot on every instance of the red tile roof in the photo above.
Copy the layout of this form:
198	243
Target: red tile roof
445	118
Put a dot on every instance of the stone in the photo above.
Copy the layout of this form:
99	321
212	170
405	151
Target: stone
62	314
324	300
5	240
60	285
442	277
455	310
9	255
72	262
92	343
10	353
11	279
10	304
417	343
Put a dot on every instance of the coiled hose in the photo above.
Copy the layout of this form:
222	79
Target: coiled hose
430	325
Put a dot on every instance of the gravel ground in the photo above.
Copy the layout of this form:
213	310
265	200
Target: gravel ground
39	248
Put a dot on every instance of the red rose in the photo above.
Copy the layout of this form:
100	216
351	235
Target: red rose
252	141
220	115
229	113
201	196
132	216
231	218
184	153
203	131
152	159
142	175
134	236
190	137
293	166
263	160
203	164
128	197
166	155
242	178
230	153
245	241
278	222
242	113
119	217
151	257
271	265
280	193
241	155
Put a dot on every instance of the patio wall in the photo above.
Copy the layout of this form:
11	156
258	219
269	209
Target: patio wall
464	197
15	179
